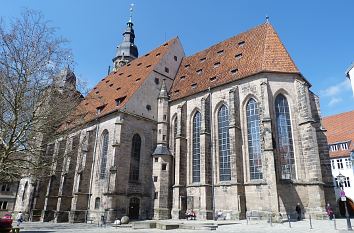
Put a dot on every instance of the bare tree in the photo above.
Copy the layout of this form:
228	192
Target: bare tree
33	100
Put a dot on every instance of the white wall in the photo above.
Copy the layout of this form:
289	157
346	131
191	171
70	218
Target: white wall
351	77
346	171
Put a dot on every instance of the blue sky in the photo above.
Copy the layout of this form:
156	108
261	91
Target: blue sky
319	35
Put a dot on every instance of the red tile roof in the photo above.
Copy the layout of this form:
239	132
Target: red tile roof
257	50
121	84
340	128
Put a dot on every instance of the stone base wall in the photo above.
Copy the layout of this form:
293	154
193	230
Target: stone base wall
62	216
162	213
47	215
78	216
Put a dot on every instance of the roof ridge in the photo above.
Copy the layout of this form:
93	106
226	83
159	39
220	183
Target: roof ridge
264	45
271	29
335	115
214	45
153	68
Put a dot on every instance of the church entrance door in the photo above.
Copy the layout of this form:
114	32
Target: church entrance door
134	206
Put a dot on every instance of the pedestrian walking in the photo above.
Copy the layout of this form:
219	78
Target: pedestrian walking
19	218
298	211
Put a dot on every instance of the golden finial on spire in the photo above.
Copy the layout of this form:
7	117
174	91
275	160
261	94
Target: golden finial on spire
267	19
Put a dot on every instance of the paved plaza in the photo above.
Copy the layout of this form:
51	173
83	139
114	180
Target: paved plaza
240	226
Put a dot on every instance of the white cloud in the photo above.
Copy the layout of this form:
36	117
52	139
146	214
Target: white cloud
336	90
334	101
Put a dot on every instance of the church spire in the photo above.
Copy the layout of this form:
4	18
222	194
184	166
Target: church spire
127	50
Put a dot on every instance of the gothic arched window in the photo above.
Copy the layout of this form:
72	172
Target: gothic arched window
196	148
135	158
104	151
285	139
224	143
253	136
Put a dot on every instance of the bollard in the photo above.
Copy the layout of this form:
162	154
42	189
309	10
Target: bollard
310	221
334	222
247	220
289	220
271	220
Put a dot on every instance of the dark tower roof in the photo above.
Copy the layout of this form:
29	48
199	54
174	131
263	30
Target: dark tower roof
127	50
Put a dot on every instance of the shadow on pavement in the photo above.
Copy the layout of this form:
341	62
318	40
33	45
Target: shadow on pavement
30	231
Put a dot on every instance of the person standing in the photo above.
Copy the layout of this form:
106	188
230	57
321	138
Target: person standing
329	211
298	211
19	218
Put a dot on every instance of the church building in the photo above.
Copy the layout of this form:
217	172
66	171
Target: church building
233	128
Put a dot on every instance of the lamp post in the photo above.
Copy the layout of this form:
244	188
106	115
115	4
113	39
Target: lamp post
341	179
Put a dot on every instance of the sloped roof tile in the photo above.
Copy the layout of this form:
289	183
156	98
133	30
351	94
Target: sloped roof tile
122	83
248	53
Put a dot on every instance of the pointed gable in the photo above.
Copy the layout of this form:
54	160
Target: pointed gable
276	58
115	90
257	50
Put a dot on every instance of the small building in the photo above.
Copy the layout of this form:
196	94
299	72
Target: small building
8	193
340	136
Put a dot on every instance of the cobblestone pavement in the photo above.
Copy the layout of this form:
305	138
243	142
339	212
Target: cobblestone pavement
241	226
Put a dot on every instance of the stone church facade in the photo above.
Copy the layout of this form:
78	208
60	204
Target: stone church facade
233	128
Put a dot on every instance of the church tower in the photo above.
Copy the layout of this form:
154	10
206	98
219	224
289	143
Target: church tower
162	161
127	50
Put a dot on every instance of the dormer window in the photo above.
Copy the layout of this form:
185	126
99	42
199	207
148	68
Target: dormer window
213	78
233	71
187	66
194	85
202	59
120	74
344	146
220	52
139	64
241	43
158	54
148	66
100	109
120	100
216	64
167	70
199	72
182	77
238	56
